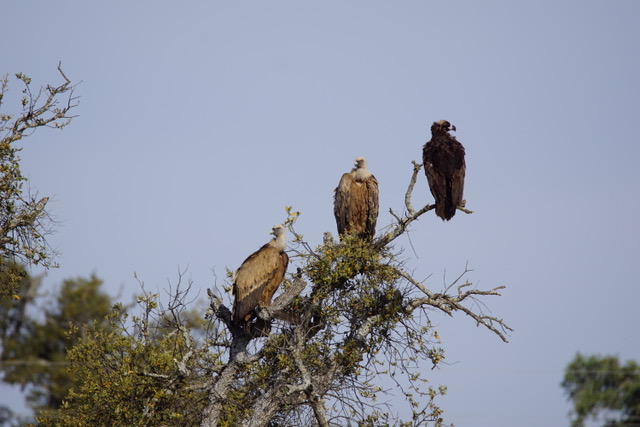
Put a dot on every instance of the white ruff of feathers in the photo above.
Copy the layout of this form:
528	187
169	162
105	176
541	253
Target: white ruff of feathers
362	173
280	241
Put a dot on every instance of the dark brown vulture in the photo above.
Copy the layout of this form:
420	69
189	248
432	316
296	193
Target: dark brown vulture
443	158
259	276
355	204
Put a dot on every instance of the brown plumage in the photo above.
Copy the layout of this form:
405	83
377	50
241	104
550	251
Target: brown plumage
259	276
355	204
443	158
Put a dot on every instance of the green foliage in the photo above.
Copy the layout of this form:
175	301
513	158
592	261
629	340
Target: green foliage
355	324
12	279
332	266
140	371
34	348
603	386
354	281
354	329
89	363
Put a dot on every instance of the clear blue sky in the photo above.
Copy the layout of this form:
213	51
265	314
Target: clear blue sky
199	121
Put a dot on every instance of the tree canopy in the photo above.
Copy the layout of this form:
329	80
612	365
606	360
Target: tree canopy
36	333
362	333
24	220
602	387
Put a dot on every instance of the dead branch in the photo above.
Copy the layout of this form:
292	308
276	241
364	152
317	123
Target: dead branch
291	290
451	303
402	222
411	215
238	355
315	399
48	112
412	183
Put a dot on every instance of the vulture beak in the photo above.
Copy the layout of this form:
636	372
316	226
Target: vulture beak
453	127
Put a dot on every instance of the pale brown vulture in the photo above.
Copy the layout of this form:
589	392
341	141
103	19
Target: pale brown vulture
443	158
355	204
259	276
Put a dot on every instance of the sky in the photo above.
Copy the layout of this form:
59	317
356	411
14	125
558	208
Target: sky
199	121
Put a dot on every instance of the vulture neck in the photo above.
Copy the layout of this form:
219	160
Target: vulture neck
362	174
279	242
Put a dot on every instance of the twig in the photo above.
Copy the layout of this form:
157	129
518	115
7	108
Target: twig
403	222
449	303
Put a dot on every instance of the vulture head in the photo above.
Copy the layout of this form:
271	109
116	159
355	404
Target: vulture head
277	230
442	126
280	240
361	169
361	163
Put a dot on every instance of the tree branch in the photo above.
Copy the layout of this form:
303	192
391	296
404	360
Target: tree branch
291	290
352	312
315	399
403	222
449	303
238	355
36	116
411	214
412	183
24	222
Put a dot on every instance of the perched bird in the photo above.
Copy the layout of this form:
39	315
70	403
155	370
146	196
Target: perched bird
259	276
443	158
355	204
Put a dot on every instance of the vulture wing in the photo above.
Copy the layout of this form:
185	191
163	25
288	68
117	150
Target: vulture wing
275	280
258	277
459	169
356	206
341	204
372	206
445	169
